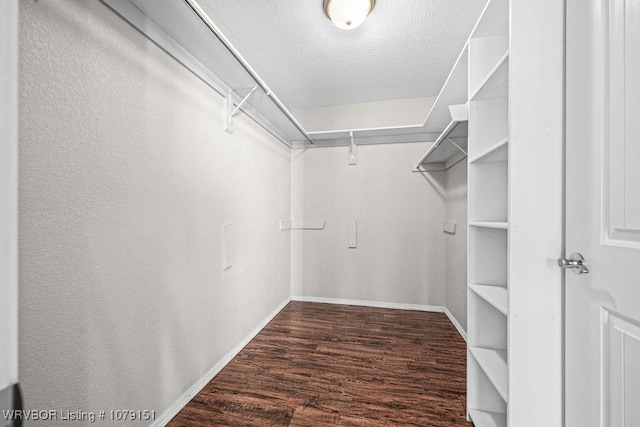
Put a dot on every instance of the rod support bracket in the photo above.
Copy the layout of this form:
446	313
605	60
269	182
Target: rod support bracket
353	160
233	107
457	146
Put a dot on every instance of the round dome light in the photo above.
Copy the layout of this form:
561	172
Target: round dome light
348	14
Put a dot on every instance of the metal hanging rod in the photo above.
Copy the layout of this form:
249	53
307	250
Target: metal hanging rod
202	15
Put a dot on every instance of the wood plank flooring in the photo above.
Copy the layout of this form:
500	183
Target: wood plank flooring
329	365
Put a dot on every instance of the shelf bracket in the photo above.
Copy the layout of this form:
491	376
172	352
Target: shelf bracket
232	109
457	146
352	150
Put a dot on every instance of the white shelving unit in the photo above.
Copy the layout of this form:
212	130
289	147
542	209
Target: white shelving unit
513	311
488	290
480	81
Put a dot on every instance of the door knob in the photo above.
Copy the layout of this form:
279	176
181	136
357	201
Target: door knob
575	263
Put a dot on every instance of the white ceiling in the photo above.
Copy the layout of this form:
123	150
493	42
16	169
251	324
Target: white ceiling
405	48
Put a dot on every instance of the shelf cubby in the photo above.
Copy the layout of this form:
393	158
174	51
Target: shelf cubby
488	187
494	364
487	255
488	123
487	325
495	295
482	395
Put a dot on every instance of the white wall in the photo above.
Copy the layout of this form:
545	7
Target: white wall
398	112
456	244
400	253
126	181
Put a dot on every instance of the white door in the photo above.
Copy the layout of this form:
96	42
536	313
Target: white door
8	203
602	317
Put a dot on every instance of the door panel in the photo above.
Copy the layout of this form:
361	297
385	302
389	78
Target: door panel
602	308
621	120
8	193
621	369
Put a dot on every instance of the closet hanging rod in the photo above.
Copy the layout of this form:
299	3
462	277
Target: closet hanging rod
202	15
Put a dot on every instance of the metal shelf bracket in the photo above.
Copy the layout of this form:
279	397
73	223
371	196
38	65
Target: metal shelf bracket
457	146
233	109
352	150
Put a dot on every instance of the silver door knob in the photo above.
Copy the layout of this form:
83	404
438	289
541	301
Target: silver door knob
575	263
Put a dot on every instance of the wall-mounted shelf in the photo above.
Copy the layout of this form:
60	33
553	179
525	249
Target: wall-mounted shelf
301	225
184	31
449	148
369	136
453	92
438	121
449	119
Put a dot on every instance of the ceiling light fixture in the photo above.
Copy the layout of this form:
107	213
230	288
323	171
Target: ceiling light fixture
348	14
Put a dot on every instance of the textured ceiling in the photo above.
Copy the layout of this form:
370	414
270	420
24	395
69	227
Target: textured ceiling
405	48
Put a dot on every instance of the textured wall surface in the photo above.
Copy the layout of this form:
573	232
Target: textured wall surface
456	245
126	180
400	253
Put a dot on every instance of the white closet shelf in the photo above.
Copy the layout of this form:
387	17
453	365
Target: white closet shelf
184	31
450	145
490	224
369	136
496	84
286	224
454	92
499	152
494	364
497	296
443	153
487	419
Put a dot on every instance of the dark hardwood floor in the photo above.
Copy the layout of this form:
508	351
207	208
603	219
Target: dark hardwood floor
328	365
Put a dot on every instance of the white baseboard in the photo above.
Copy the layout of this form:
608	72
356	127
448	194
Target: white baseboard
186	397
456	324
377	304
182	401
394	305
